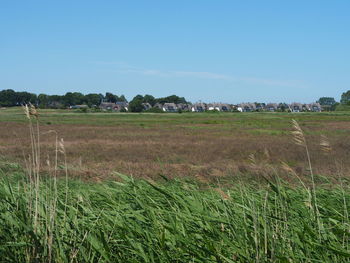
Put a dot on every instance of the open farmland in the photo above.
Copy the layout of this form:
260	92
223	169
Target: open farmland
204	145
191	207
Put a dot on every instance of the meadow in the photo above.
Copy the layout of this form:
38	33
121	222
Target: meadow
205	187
209	145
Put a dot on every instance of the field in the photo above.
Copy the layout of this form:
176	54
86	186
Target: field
208	187
205	145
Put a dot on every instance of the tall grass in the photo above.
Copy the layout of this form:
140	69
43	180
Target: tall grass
174	221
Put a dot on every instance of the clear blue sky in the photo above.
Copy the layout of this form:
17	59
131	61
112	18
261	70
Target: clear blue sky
228	51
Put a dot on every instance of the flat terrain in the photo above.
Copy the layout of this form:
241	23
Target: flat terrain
204	145
215	218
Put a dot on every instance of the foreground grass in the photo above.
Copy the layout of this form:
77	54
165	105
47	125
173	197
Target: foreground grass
170	221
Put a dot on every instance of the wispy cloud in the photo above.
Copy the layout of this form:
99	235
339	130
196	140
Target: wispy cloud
172	73
123	68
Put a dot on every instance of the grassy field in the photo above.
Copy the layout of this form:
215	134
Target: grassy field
211	187
210	145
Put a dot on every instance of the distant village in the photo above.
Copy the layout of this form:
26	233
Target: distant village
110	102
222	107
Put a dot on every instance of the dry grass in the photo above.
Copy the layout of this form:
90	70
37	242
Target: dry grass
208	146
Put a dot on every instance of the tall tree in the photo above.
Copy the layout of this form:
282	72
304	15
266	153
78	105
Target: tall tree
25	98
122	98
135	105
110	97
74	98
149	99
326	101
345	98
8	98
43	100
93	99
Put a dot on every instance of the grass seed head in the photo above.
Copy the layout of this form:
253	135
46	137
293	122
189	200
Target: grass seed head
298	134
26	111
33	111
61	147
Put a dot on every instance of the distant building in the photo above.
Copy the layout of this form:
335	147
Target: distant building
198	107
296	107
146	106
158	105
122	106
247	107
108	106
271	107
169	107
315	107
260	106
184	106
223	107
111	106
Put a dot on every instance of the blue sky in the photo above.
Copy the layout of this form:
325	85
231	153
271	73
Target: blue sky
222	51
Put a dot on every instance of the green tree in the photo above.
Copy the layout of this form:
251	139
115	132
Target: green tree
326	101
111	97
25	98
8	98
135	105
122	98
73	98
43	101
149	99
93	99
345	98
172	99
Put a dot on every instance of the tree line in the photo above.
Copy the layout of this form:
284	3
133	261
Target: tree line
10	98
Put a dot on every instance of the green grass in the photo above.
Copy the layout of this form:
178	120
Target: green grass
242	120
170	221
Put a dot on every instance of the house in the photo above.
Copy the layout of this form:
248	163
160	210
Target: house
315	107
271	107
223	107
296	107
198	107
260	106
146	106
306	107
247	107
169	107
211	106
218	107
122	106
108	106
158	105
184	106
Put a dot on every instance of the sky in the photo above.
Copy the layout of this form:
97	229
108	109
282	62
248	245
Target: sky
213	51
